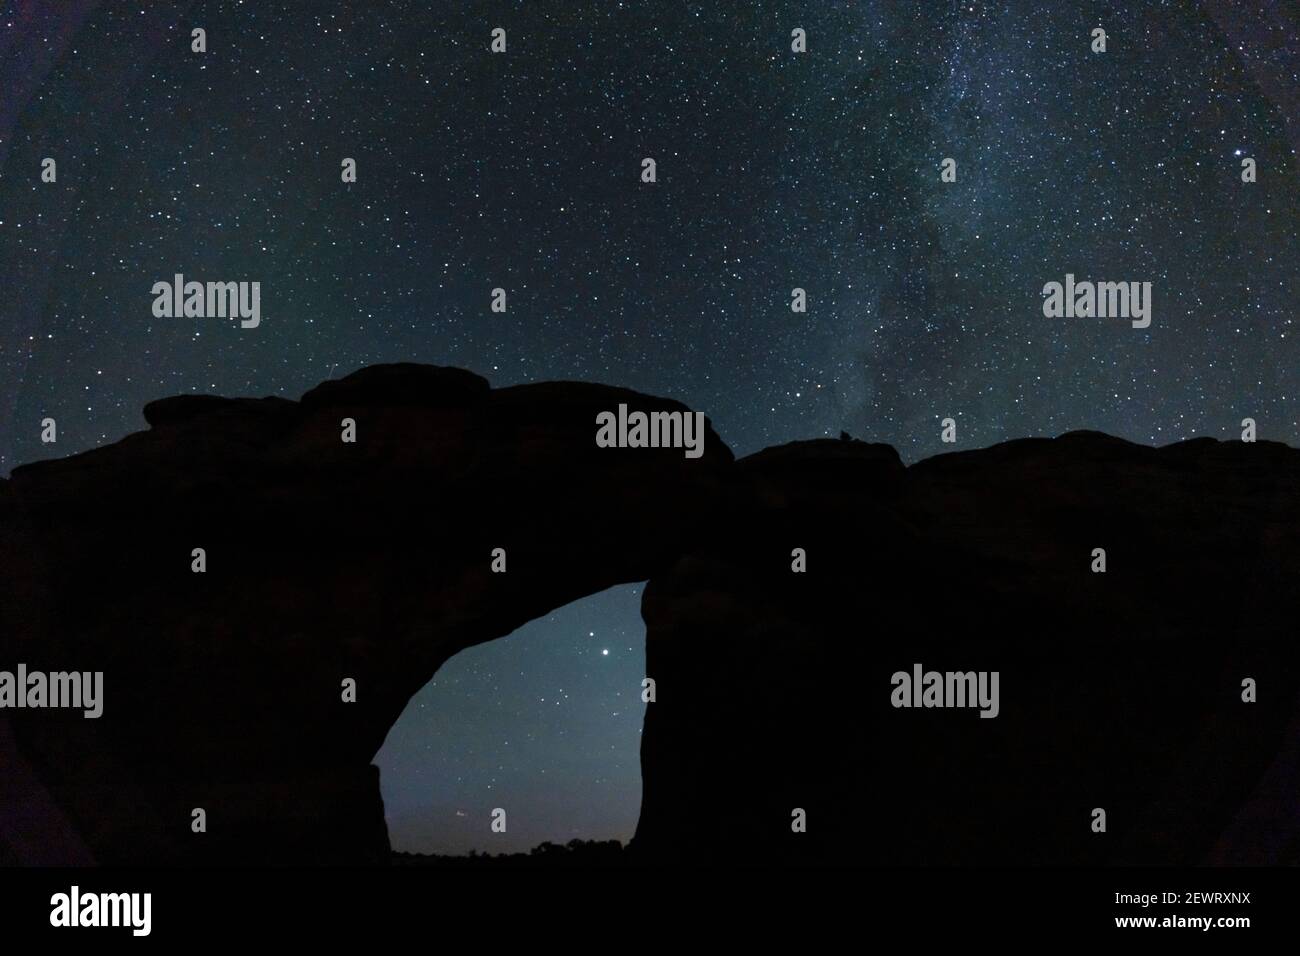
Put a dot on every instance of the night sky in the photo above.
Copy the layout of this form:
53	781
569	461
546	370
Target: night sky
522	171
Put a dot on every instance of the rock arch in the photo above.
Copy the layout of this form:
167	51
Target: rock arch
371	560
325	560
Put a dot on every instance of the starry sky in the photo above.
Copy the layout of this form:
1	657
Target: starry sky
776	170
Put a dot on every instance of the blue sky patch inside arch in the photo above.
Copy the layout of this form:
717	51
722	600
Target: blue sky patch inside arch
545	723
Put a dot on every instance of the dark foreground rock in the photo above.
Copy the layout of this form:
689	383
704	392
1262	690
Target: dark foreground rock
371	561
1119	690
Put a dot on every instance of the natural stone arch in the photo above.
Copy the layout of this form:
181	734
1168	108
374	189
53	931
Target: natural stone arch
325	560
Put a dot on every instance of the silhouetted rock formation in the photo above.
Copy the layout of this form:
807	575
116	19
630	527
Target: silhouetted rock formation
328	560
325	561
1119	690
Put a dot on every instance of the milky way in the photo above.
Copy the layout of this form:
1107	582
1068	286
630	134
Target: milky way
776	170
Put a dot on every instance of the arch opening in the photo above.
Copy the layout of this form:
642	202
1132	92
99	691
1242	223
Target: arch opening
543	723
